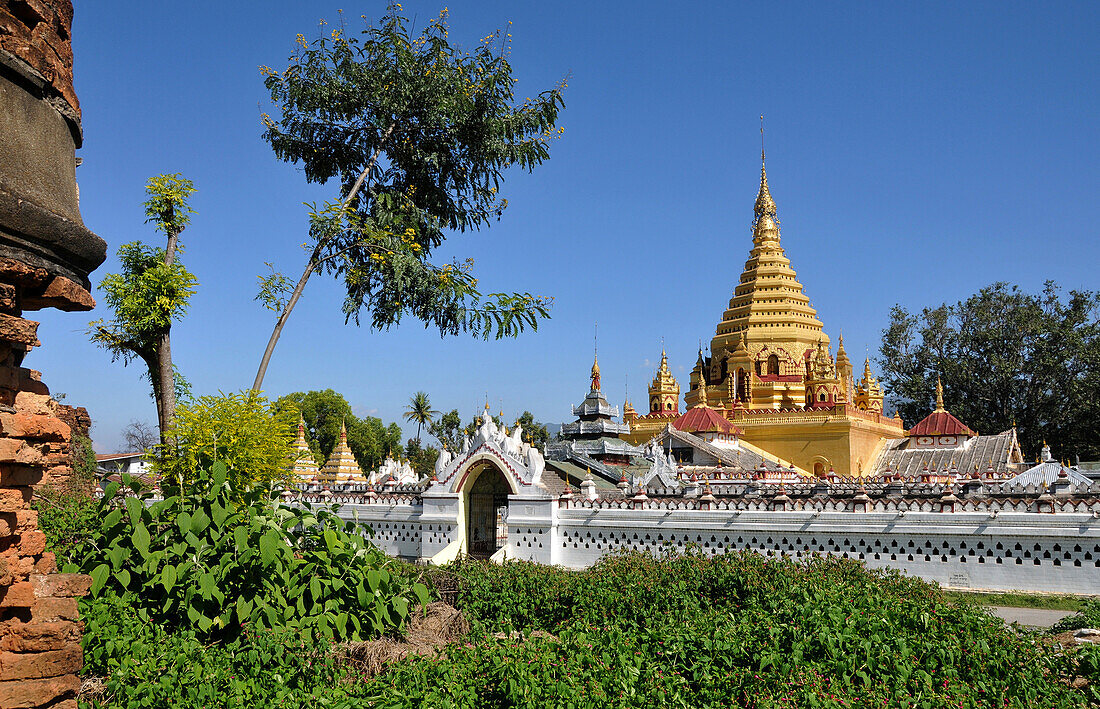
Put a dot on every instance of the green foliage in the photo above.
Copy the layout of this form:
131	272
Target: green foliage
146	297
167	205
252	437
1005	356
274	288
214	559
421	458
419	411
637	631
144	664
1019	600
534	433
733	630
431	130
370	440
1087	617
447	429
67	511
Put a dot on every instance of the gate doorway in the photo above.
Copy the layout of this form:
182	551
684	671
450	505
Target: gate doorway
487	509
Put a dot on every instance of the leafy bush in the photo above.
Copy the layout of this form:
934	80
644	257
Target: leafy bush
1087	617
144	664
67	510
250	436
738	629
217	559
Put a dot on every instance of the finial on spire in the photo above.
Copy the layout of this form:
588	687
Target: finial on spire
765	205
939	394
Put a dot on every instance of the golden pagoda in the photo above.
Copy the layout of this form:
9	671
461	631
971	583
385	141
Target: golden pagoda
341	466
771	372
305	466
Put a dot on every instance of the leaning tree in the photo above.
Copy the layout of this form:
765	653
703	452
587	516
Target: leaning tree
418	133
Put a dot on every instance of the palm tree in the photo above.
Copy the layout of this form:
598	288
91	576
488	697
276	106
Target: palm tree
420	410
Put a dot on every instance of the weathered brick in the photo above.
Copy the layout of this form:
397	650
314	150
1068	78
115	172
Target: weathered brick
18	595
20	330
29	401
14	498
50	609
38	637
21	694
19	474
34	427
62	294
32	542
46	563
61	585
37	665
19	453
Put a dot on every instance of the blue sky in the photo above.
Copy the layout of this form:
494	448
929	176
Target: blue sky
916	151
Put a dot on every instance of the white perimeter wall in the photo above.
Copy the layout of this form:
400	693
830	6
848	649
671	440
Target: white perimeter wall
1018	551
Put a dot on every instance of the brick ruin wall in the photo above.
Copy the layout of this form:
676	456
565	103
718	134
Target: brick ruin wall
40	651
45	256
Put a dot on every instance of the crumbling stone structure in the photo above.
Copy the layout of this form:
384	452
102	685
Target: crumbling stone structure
46	254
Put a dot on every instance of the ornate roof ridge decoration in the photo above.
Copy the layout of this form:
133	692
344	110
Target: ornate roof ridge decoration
522	461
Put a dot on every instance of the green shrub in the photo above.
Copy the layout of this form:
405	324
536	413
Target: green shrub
244	431
1087	617
144	664
217	559
738	629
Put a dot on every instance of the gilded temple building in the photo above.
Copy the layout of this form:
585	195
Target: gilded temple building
771	370
664	406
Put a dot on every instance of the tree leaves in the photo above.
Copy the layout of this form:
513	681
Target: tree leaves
432	128
1005	357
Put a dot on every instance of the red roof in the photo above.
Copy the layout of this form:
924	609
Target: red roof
940	423
702	419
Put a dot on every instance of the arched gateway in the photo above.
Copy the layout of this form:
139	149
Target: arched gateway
493	484
486	506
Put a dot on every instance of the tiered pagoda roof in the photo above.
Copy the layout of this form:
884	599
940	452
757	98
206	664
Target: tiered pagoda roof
768	297
304	464
341	465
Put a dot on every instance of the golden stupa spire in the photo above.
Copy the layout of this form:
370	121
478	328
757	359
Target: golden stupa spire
939	394
595	374
764	202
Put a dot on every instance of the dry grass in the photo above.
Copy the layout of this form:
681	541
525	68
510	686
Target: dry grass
440	625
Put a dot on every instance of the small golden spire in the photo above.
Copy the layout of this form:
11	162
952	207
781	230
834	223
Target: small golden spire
939	394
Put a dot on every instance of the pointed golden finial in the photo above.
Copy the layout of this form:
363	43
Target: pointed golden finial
595	373
939	394
764	202
343	431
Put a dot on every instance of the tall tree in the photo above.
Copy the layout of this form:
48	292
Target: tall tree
418	133
151	293
447	429
419	411
139	437
1005	357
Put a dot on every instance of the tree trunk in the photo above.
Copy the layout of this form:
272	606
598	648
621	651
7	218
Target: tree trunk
166	373
152	362
278	330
